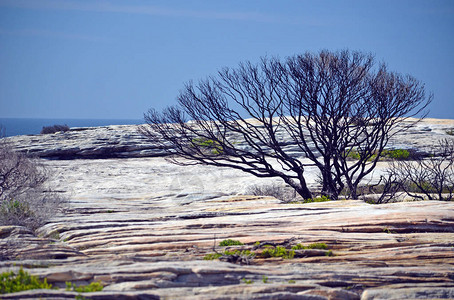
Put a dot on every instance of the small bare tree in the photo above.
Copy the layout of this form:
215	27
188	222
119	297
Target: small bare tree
327	105
430	177
24	198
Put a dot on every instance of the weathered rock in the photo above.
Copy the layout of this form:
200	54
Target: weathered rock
121	141
417	292
142	226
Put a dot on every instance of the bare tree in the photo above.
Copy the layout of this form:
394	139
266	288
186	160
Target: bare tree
430	177
24	197
327	105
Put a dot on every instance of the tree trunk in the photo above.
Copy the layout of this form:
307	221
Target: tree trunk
304	192
300	188
329	186
353	193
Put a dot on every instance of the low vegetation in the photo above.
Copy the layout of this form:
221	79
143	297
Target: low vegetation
25	198
311	246
277	252
230	242
92	287
12	282
267	250
423	178
387	154
217	255
54	129
208	145
311	200
419	175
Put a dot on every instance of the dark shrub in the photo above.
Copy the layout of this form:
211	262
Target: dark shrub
54	129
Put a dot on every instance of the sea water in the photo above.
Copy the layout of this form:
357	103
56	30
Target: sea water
22	126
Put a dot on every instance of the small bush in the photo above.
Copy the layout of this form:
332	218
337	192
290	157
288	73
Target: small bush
11	282
311	246
353	154
54	129
230	242
399	154
450	131
213	256
277	252
318	199
92	287
207	144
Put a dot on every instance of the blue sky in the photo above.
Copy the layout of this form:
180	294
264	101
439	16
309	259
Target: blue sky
117	59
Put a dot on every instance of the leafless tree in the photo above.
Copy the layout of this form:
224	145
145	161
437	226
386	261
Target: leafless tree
24	197
327	105
430	177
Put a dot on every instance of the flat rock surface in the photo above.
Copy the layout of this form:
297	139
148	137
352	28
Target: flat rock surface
120	141
142	226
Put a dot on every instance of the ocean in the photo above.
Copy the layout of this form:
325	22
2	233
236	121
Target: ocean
22	126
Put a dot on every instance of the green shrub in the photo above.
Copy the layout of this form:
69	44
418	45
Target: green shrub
239	252
11	282
209	144
230	242
353	154
212	256
400	154
277	252
311	246
269	251
92	287
318	199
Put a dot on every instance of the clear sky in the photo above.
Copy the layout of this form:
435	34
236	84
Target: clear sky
117	59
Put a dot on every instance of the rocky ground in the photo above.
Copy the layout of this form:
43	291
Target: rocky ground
142	226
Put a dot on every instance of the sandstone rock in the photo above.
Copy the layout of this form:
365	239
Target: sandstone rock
426	292
122	141
142	226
